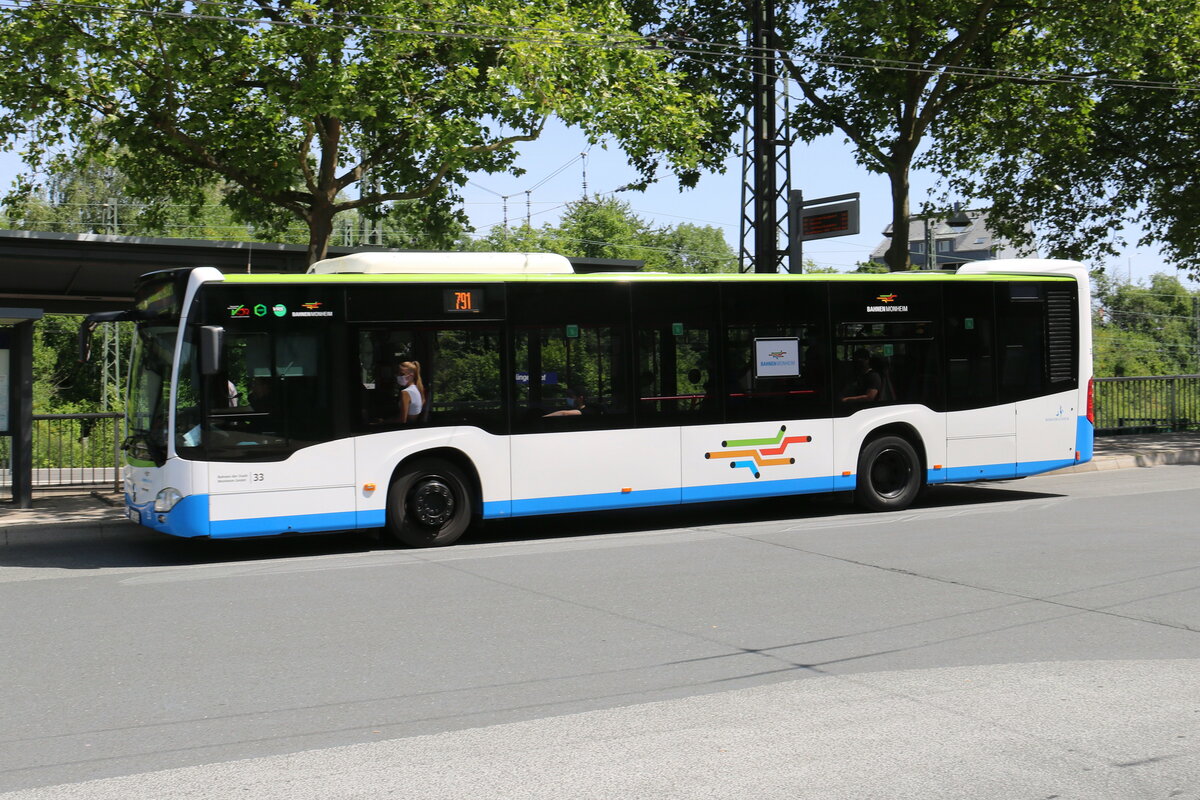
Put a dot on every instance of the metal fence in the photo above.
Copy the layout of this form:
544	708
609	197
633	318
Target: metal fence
1147	405
71	450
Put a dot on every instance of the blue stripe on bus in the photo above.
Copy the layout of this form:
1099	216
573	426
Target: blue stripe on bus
1037	467
497	509
758	488
376	518
977	472
996	472
594	502
1085	439
288	523
189	518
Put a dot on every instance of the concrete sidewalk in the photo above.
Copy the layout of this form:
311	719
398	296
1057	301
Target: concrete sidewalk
100	509
1141	450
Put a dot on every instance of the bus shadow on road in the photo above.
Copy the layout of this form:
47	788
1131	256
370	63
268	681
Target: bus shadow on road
117	544
764	510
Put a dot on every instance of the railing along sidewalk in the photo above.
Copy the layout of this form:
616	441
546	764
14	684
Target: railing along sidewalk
1150	404
72	450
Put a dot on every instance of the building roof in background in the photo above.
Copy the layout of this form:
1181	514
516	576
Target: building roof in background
977	238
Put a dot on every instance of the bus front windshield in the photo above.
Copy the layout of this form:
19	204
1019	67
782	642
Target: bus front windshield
149	392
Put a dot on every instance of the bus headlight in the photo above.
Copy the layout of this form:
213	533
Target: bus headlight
166	499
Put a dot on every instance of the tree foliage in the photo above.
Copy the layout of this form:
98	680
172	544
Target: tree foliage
608	228
950	86
1150	328
292	105
1113	141
91	197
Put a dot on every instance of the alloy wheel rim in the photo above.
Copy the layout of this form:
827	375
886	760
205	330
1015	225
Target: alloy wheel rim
890	473
432	503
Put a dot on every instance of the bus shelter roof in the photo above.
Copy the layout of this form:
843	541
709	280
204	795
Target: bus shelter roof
82	273
69	273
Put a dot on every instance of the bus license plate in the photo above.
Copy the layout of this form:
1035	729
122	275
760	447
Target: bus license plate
135	515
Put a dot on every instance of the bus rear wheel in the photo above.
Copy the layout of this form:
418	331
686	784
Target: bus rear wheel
889	474
428	505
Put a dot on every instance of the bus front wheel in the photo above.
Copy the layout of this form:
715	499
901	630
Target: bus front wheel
889	474
428	505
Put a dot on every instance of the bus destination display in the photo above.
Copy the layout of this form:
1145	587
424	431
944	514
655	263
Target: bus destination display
462	301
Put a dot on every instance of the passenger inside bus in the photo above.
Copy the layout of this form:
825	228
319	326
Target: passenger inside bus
866	387
261	395
412	392
887	392
577	405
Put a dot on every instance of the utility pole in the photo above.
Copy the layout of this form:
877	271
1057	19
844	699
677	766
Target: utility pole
766	158
110	364
370	230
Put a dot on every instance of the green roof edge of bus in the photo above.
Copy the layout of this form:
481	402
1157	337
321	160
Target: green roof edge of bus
611	277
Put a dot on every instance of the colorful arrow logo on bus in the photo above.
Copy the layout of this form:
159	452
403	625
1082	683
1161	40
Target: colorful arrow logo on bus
887	298
760	452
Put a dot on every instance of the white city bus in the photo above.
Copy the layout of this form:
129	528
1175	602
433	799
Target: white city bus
270	404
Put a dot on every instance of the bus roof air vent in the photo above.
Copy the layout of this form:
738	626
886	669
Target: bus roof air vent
448	263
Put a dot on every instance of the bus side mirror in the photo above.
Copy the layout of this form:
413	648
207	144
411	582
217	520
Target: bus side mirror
85	340
212	344
89	325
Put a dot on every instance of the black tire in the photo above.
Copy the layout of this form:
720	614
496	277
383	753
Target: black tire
889	474
428	505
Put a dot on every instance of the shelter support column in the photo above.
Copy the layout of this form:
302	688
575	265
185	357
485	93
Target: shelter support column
16	417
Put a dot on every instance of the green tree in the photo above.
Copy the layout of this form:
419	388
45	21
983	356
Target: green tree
1115	147
61	383
1146	329
85	196
293	105
82	196
608	228
870	267
908	84
694	248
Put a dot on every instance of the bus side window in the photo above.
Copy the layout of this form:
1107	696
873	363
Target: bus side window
380	353
774	372
676	377
970	346
464	378
554	363
677	359
1020	340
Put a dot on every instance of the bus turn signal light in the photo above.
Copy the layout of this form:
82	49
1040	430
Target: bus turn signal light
368	487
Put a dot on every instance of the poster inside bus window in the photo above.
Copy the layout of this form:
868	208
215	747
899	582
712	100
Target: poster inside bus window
776	358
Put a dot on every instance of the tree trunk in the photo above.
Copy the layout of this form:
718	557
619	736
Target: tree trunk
898	254
320	229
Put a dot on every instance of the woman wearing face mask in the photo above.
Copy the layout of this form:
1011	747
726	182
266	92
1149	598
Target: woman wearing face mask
412	391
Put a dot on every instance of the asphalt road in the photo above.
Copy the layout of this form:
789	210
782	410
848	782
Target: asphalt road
1034	639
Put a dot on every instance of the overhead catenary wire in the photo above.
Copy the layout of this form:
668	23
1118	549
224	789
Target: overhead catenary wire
529	191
